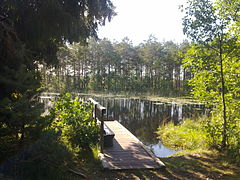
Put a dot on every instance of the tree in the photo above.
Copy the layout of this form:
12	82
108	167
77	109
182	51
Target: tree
19	108
151	53
171	64
215	49
128	60
231	10
43	26
31	33
185	73
120	66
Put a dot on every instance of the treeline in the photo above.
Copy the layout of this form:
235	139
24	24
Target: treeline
154	67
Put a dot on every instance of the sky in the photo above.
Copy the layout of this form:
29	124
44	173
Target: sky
137	19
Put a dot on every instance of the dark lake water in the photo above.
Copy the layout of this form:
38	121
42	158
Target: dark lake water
143	118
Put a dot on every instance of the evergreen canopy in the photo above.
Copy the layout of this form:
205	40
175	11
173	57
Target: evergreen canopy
44	25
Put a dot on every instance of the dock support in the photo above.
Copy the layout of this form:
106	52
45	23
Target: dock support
101	119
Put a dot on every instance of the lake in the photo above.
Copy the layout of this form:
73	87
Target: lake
143	118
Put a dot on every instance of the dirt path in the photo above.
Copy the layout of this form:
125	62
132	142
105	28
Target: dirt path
198	166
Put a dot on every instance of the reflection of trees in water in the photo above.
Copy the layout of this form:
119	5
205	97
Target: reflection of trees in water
143	117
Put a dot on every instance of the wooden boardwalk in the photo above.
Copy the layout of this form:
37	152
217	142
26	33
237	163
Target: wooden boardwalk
127	151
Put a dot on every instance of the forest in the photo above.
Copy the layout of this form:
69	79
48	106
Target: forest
52	46
102	66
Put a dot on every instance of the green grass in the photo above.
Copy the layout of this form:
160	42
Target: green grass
189	135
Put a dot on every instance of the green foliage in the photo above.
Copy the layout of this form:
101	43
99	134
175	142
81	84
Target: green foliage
214	61
21	116
214	128
103	66
231	11
189	135
200	22
19	107
72	120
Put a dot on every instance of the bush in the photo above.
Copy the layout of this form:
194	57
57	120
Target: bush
214	128
72	119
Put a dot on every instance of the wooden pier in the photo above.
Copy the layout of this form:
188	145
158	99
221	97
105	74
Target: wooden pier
127	151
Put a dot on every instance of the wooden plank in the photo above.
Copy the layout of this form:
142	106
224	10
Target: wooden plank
127	151
127	155
105	164
133	166
132	161
161	164
137	163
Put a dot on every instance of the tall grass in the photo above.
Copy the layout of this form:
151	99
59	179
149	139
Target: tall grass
188	135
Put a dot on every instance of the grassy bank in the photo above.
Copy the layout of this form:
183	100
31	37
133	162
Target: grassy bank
189	135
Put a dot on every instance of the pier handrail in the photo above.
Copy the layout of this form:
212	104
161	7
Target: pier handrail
98	114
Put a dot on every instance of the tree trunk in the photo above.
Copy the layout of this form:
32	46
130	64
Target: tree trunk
224	132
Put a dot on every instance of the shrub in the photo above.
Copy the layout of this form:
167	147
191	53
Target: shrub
214	128
72	120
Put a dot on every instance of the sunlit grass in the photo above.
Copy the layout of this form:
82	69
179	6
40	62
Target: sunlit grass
95	152
188	135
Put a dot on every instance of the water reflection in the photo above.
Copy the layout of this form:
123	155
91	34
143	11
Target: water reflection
143	118
160	150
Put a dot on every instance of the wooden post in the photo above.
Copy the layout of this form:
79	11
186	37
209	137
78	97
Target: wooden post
94	111
102	111
107	111
101	133
99	112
